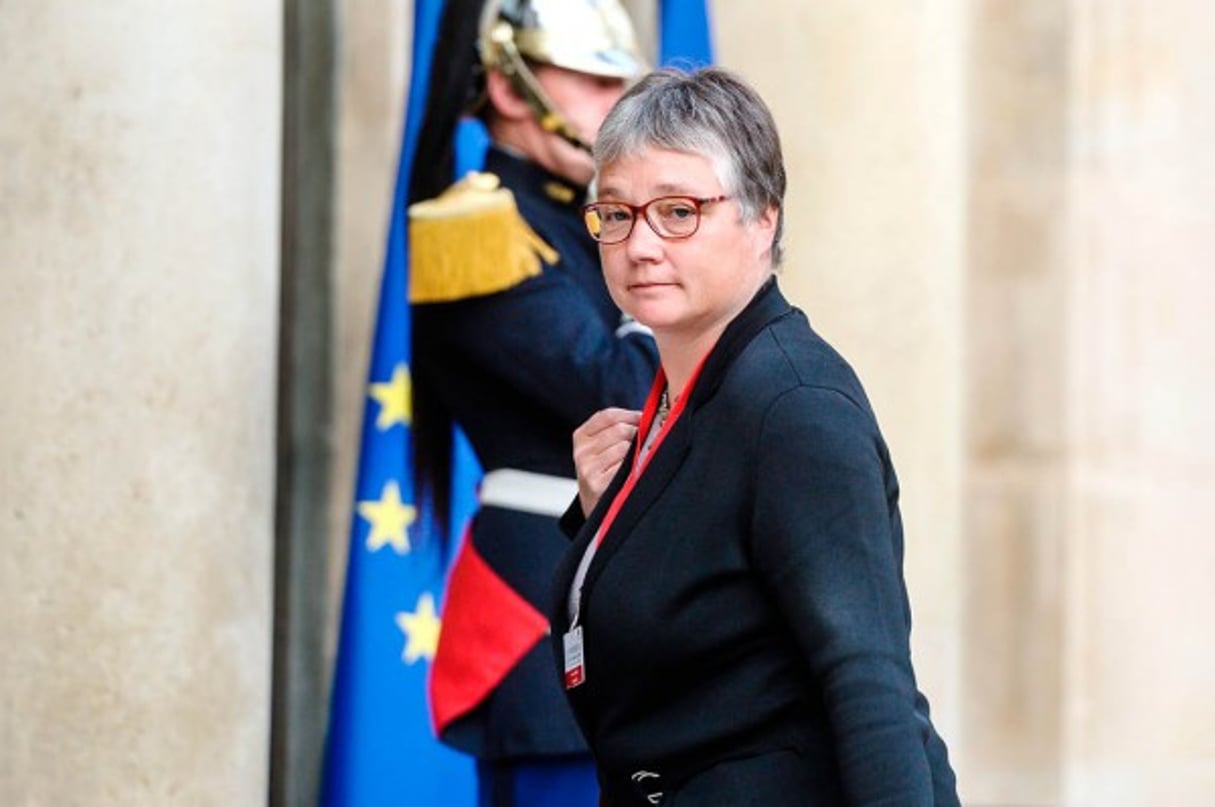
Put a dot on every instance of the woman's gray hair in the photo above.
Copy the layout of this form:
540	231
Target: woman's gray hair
710	112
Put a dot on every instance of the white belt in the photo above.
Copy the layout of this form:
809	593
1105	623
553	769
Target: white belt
530	492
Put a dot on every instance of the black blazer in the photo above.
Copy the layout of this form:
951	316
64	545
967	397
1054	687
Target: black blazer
745	619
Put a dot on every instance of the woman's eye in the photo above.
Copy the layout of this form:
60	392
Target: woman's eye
616	215
678	210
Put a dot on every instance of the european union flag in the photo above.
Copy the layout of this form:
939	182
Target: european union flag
380	748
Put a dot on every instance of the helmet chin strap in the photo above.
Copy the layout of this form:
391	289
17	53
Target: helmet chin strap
553	122
528	86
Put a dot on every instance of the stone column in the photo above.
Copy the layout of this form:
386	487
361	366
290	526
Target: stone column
139	199
1139	716
1017	381
1091	444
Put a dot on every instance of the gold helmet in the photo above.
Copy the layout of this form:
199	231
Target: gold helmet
589	36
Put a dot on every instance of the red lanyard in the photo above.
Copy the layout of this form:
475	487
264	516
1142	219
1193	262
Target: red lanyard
643	430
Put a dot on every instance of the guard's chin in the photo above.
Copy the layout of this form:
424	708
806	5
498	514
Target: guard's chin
581	174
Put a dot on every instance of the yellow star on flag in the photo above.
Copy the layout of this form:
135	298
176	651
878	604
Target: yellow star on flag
421	628
389	518
394	399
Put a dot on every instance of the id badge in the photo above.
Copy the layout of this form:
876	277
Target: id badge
575	670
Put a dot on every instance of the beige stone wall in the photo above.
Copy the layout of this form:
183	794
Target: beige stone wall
1016	380
1090	395
139	194
1139	708
999	210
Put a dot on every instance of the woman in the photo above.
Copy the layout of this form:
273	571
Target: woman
732	622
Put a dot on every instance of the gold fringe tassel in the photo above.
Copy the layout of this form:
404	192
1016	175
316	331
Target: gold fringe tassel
469	241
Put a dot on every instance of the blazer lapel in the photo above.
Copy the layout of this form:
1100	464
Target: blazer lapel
658	474
767	305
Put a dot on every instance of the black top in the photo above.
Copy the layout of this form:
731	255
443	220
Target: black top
746	624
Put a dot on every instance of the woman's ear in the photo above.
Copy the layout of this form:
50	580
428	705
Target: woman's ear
502	96
765	227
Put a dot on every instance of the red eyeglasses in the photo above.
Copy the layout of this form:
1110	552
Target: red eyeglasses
671	217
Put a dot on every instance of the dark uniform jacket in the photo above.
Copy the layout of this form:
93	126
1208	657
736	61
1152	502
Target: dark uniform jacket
746	625
519	370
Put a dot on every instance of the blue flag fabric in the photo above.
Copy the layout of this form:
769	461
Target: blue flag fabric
380	748
685	38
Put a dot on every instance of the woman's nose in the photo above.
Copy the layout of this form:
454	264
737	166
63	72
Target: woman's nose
643	242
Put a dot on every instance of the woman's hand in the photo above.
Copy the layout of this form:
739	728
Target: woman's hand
599	447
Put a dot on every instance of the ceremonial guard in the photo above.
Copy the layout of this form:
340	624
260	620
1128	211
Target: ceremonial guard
517	341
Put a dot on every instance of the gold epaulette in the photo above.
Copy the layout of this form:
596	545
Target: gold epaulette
470	240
